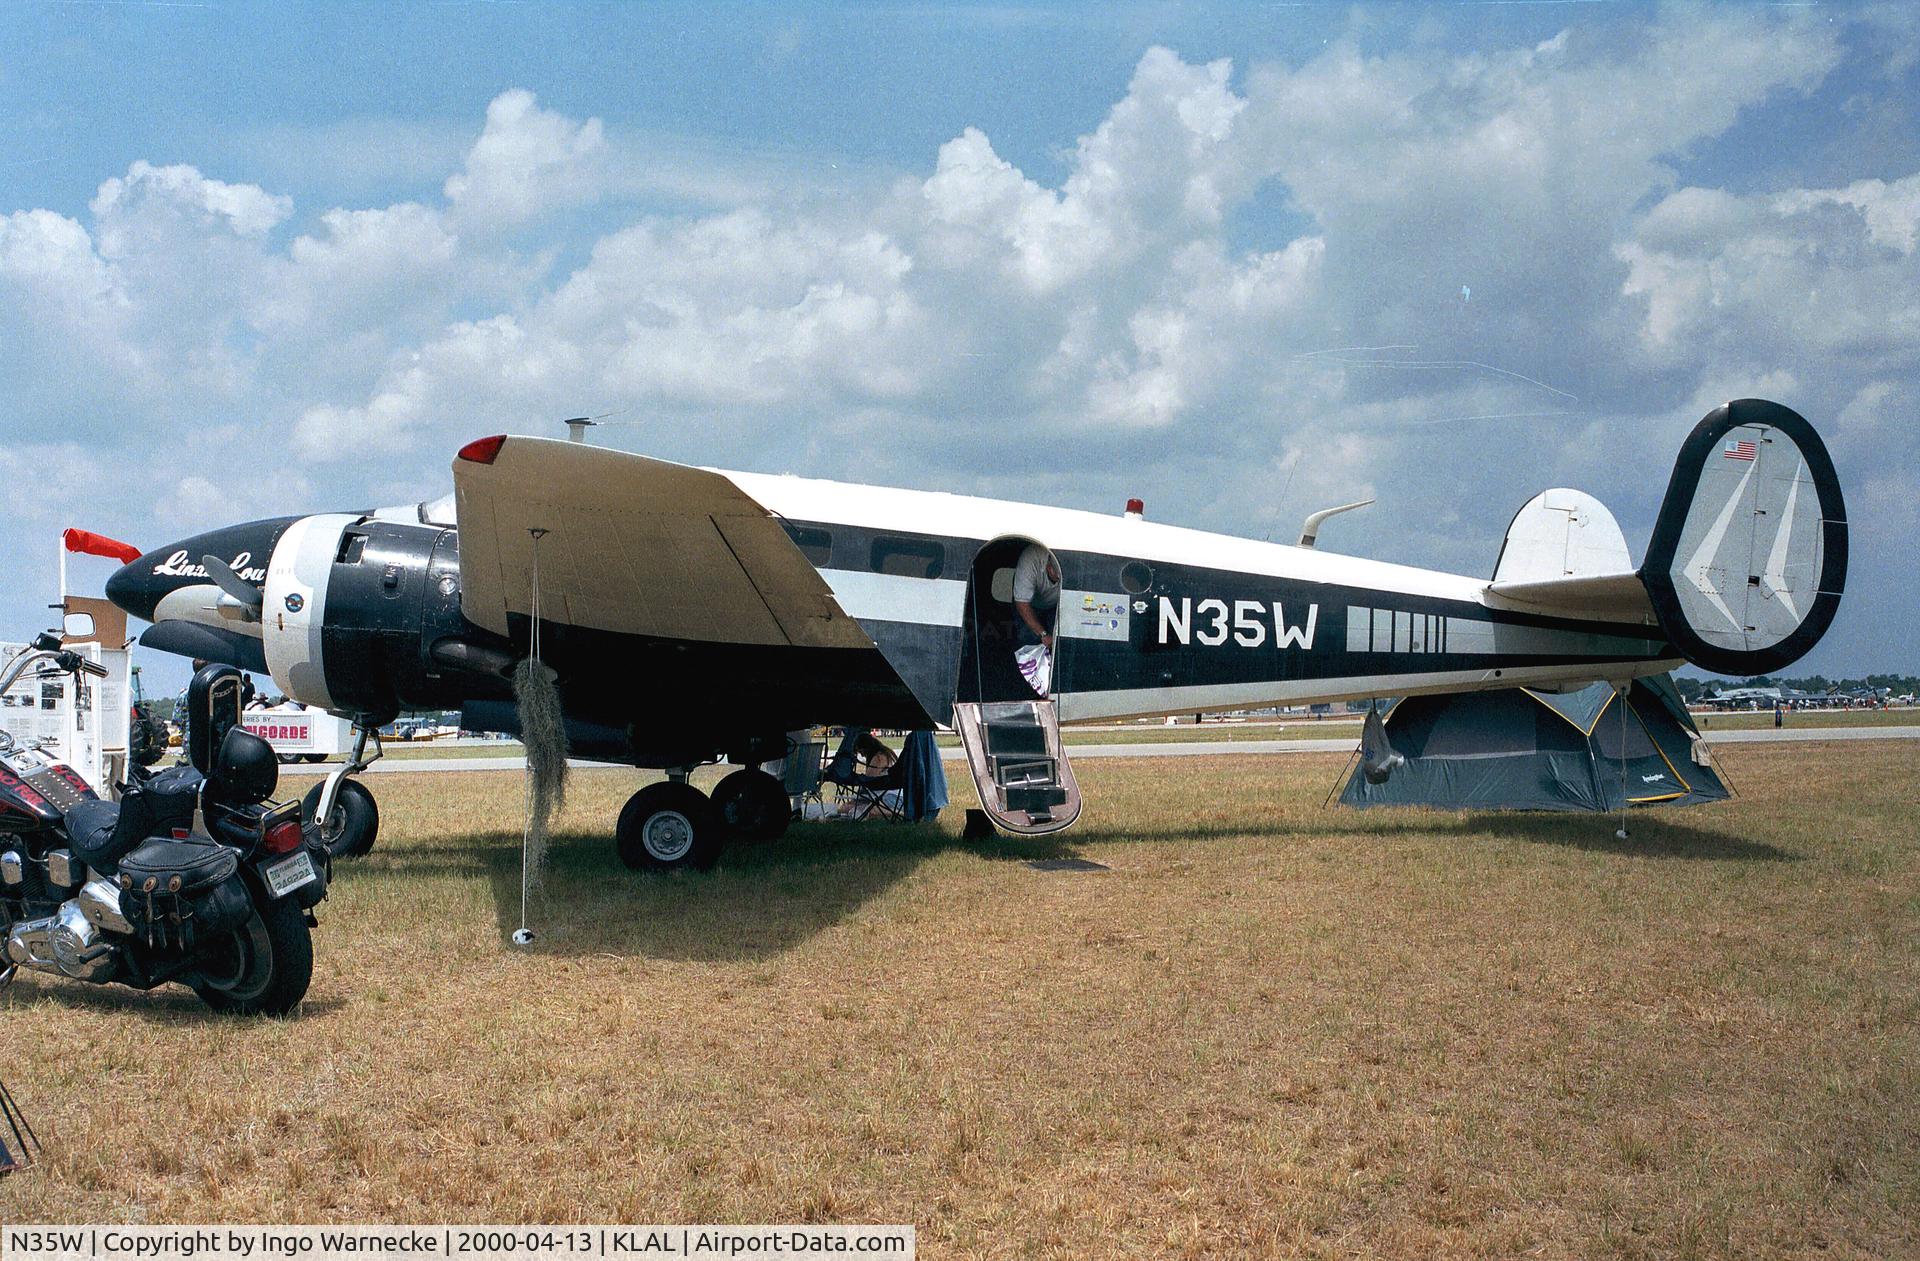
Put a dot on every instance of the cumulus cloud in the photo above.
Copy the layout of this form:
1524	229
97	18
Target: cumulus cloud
150	199
1829	273
527	161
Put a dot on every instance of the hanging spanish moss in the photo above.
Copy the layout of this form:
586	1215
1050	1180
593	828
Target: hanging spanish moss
544	733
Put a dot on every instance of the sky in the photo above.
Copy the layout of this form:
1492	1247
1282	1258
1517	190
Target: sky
1240	261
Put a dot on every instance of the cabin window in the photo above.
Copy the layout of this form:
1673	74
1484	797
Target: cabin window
908	558
1136	577
814	543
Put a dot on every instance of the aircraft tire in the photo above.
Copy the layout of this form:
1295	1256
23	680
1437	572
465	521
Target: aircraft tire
669	827
354	824
753	805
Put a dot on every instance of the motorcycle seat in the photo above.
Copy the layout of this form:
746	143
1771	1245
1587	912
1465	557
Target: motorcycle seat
90	827
199	864
100	832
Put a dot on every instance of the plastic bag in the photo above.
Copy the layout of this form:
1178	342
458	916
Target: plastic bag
1036	667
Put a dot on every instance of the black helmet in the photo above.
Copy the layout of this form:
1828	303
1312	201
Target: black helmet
246	769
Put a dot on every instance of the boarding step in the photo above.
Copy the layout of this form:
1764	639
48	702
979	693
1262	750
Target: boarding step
1014	752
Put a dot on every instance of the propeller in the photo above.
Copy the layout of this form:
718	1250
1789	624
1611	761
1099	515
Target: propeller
244	594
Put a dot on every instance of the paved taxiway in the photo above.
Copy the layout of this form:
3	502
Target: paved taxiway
1170	748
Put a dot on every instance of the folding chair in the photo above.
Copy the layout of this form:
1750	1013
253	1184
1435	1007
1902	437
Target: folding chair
805	764
864	796
869	796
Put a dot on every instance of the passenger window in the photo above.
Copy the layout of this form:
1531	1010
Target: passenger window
908	558
1136	577
814	543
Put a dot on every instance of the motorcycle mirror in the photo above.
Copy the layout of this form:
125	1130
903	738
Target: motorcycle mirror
77	626
243	592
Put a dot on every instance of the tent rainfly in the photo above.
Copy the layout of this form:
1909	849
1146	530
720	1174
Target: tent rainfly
1519	749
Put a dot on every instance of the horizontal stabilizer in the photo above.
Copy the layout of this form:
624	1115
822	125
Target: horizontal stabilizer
1603	597
1564	556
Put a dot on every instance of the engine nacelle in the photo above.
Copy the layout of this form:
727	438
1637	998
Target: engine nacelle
293	606
353	608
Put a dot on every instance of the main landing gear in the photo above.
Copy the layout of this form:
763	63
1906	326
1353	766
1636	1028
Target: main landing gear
668	826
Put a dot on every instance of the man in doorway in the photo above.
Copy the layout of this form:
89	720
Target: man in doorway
1036	603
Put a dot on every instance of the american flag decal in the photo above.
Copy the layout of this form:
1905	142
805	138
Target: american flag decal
1741	450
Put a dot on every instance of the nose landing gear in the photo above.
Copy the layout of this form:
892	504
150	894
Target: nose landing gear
342	809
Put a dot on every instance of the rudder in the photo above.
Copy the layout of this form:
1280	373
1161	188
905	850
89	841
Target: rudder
1749	555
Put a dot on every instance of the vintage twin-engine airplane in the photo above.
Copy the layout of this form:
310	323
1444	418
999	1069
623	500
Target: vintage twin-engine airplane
689	614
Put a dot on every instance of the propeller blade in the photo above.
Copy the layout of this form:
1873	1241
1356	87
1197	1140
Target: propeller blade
231	583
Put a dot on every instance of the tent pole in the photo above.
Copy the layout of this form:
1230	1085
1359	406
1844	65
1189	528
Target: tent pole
1620	694
1346	773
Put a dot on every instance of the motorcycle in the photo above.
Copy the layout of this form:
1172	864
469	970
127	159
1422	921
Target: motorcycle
193	876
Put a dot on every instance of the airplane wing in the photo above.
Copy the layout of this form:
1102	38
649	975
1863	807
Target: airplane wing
635	546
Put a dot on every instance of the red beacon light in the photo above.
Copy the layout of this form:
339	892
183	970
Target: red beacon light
483	450
1136	510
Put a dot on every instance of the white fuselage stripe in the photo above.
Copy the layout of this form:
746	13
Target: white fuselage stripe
870	597
1073	530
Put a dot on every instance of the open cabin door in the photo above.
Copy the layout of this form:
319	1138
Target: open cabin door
1010	734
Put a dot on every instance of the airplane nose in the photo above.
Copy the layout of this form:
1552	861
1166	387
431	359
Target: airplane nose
132	588
141	585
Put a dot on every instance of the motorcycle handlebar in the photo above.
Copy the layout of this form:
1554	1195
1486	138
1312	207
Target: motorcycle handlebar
69	661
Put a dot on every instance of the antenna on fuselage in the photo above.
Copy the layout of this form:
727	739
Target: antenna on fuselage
577	428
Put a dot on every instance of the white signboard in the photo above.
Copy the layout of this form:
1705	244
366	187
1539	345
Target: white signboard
81	721
294	731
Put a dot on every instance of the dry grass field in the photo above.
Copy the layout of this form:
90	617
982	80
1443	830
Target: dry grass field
1269	1029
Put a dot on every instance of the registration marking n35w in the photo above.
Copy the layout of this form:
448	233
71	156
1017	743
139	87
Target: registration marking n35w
1244	621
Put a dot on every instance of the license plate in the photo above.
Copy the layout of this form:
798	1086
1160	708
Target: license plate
289	874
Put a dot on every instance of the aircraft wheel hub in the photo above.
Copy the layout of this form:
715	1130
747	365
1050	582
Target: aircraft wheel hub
668	835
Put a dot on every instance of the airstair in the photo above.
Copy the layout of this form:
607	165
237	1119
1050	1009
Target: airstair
1018	765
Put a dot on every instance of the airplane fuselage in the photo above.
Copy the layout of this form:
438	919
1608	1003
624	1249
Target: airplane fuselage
1152	619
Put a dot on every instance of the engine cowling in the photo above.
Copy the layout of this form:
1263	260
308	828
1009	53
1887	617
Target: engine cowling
354	608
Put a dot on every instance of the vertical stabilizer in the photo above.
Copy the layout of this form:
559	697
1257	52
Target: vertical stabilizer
1749	555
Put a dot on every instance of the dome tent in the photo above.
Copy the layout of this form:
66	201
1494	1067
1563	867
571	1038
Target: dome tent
1518	749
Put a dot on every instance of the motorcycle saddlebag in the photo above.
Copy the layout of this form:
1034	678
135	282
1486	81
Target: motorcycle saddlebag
178	889
185	867
222	908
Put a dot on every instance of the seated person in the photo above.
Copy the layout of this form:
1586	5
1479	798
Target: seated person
876	775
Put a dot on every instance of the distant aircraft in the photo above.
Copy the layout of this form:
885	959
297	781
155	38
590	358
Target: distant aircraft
690	614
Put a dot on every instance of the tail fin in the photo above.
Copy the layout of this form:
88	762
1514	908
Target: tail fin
1749	555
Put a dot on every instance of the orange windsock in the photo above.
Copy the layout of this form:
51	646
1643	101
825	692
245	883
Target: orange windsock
99	545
